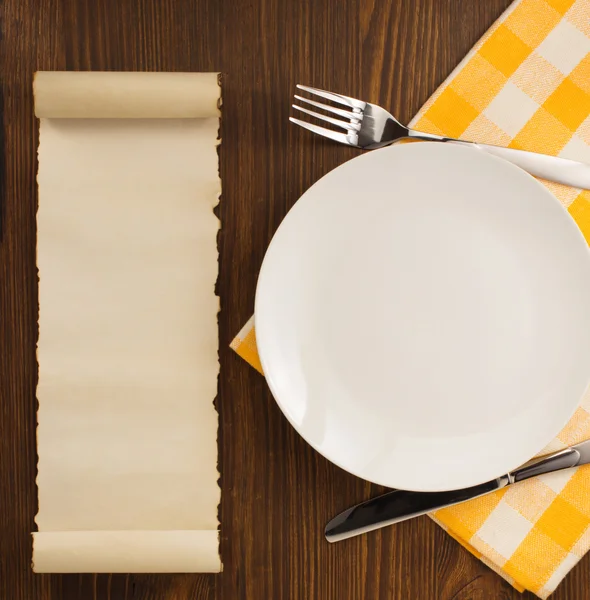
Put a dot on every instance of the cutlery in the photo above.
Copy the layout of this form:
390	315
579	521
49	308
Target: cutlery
369	126
400	505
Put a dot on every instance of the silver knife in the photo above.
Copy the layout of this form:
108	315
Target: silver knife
400	505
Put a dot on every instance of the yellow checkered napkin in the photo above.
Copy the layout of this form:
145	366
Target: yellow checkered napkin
526	84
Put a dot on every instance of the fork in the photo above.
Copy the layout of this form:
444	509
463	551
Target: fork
368	126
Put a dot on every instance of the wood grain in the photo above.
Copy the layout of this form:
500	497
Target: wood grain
277	492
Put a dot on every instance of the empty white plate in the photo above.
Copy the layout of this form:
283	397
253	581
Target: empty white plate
423	316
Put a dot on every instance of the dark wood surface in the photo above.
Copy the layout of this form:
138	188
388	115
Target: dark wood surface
277	492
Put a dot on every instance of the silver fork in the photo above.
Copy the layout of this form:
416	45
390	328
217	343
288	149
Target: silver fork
368	126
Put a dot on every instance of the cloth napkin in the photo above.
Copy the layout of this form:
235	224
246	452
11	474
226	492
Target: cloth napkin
525	84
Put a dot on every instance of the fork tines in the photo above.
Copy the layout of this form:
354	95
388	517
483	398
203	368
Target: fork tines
352	117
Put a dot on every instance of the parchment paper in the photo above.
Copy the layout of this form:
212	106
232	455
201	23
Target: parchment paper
127	258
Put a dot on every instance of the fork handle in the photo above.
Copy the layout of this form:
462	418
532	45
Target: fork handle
553	168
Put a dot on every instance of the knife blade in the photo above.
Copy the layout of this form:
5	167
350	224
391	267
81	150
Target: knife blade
400	505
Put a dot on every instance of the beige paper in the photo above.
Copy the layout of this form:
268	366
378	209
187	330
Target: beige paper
127	257
105	95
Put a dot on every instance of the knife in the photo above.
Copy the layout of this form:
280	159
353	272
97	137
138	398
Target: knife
400	505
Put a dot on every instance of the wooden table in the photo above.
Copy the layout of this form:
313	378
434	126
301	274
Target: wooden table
277	492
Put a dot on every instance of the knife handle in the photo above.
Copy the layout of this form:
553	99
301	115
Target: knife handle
564	459
399	505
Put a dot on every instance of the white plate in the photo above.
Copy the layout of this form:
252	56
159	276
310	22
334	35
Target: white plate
423	316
